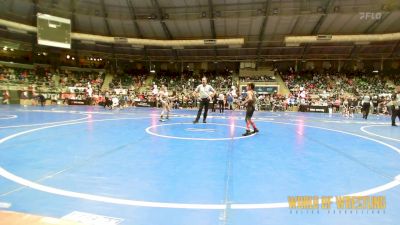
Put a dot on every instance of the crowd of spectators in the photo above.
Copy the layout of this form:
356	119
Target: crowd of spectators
306	88
21	75
182	85
129	79
52	83
187	81
260	78
50	77
333	89
354	83
330	89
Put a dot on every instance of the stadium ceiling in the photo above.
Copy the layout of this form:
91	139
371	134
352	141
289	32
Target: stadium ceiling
263	24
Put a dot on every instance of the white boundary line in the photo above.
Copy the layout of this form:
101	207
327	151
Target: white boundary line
8	117
352	122
5	205
335	119
375	190
200	130
192	138
377	135
339	131
88	115
61	192
40	124
223	116
89	218
119	201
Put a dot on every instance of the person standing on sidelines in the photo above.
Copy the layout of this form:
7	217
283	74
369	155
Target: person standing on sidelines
221	102
214	102
205	92
229	100
164	99
366	104
6	97
41	99
394	106
155	94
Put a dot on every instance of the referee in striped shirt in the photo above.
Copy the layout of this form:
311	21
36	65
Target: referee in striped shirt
205	92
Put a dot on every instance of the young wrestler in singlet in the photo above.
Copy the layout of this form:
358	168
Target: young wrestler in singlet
250	102
346	112
164	99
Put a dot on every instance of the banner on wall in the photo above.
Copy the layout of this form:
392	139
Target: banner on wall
312	108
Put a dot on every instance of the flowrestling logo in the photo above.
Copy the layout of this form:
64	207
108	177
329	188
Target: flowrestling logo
370	15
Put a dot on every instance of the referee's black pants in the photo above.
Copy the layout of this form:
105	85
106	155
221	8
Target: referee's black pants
365	109
203	104
395	113
221	106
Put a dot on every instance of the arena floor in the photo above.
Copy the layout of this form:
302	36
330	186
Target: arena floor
128	168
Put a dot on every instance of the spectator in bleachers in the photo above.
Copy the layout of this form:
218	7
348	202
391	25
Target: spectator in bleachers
6	97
